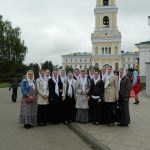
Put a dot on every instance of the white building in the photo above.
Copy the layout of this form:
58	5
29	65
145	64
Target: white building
144	57
130	60
84	60
80	60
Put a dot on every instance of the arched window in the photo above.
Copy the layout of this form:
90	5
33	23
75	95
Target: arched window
103	52
105	2
109	50
106	50
106	21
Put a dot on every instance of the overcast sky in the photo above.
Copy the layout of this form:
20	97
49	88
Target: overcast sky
52	28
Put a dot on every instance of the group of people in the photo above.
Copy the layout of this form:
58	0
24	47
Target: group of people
76	96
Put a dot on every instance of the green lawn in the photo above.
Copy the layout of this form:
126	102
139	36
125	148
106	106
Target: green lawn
143	86
4	85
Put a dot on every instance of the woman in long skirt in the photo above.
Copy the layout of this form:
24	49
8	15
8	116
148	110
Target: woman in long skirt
42	98
136	86
54	85
69	97
96	94
124	93
28	114
111	95
82	107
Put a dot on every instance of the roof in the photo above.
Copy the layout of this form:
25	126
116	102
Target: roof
79	54
146	42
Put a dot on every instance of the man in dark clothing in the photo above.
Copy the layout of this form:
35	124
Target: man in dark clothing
14	87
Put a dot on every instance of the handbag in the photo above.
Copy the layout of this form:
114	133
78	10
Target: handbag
28	100
132	94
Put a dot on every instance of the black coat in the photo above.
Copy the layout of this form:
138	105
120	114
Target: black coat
51	85
97	90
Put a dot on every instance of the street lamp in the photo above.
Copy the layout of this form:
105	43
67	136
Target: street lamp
149	20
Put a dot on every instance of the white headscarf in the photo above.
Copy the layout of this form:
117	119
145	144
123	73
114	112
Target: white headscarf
104	76
78	77
63	78
70	82
56	85
107	77
120	78
96	80
30	81
47	78
91	76
83	81
44	81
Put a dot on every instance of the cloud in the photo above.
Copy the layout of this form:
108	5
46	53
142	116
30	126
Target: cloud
52	28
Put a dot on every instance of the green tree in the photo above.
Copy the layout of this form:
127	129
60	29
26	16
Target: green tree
68	68
12	48
48	65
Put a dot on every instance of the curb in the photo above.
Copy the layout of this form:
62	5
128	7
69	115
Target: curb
90	140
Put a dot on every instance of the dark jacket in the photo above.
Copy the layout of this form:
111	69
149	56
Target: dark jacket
125	87
14	86
51	86
97	90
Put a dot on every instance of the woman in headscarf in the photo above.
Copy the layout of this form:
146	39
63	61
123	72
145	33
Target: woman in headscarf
96	93
62	78
42	98
83	85
136	86
103	73
69	98
124	93
54	85
47	75
76	75
111	96
28	114
91	73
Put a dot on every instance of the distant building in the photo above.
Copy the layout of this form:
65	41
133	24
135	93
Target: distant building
84	60
80	60
130	60
144	57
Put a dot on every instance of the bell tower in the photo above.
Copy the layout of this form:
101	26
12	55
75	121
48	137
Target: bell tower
106	39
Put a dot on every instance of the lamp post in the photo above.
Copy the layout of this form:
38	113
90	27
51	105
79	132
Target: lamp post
149	20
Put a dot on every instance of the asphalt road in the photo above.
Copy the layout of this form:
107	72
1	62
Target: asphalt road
15	137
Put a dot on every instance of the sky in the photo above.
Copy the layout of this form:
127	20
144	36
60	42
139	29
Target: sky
52	28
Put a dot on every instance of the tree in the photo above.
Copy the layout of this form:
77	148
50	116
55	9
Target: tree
12	48
48	65
68	68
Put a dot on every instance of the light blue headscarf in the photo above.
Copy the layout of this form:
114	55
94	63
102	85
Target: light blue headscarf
135	76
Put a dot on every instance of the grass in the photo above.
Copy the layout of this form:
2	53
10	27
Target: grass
4	85
142	86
